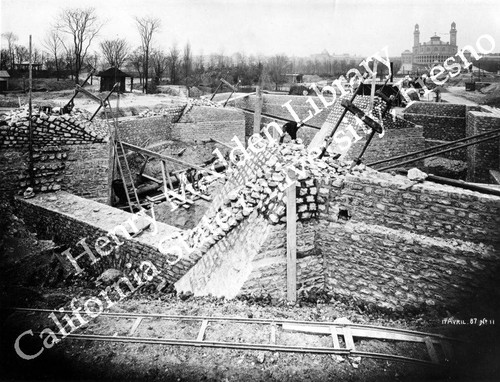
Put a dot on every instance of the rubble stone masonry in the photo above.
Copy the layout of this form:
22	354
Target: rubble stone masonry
484	156
69	152
444	122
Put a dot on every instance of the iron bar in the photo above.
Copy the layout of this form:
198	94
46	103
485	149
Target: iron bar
433	147
437	153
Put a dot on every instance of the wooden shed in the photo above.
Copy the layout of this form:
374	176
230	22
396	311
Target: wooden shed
111	76
4	80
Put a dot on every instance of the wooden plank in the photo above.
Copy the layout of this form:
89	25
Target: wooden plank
146	160
273	334
349	341
291	244
335	337
170	181
164	177
201	333
257	117
136	324
89	94
378	333
156	155
237	97
151	178
130	174
372	92
228	84
431	350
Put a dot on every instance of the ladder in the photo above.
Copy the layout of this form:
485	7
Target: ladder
125	173
120	158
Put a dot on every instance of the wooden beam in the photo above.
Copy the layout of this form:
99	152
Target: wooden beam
88	94
349	341
257	117
372	93
273	334
151	178
164	177
201	333
237	97
374	332
136	324
155	155
228	84
291	244
335	337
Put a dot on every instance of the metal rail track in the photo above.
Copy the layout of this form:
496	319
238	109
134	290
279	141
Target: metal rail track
347	330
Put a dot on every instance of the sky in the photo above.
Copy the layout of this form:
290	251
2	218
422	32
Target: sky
268	27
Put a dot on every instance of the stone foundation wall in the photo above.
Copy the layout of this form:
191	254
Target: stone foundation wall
428	209
398	269
394	142
66	219
144	131
486	155
69	153
202	123
398	247
439	109
441	121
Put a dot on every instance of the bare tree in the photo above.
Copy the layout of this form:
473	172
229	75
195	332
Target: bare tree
21	53
147	26
4	59
11	39
277	67
137	61
174	55
159	62
53	44
82	25
91	61
187	62
115	52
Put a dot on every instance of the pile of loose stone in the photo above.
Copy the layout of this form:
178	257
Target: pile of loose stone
266	187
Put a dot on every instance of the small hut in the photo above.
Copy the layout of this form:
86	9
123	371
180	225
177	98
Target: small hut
110	77
4	80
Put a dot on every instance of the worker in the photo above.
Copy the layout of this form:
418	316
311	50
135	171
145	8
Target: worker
291	128
437	91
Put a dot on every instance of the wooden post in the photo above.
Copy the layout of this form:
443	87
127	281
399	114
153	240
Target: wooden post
291	244
31	170
374	77
257	117
111	162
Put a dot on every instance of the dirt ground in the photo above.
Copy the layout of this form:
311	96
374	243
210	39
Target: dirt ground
30	276
134	103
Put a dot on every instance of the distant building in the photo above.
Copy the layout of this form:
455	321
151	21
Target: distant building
425	55
324	56
111	76
4	80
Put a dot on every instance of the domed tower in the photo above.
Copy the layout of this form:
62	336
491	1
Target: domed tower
416	36
453	34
